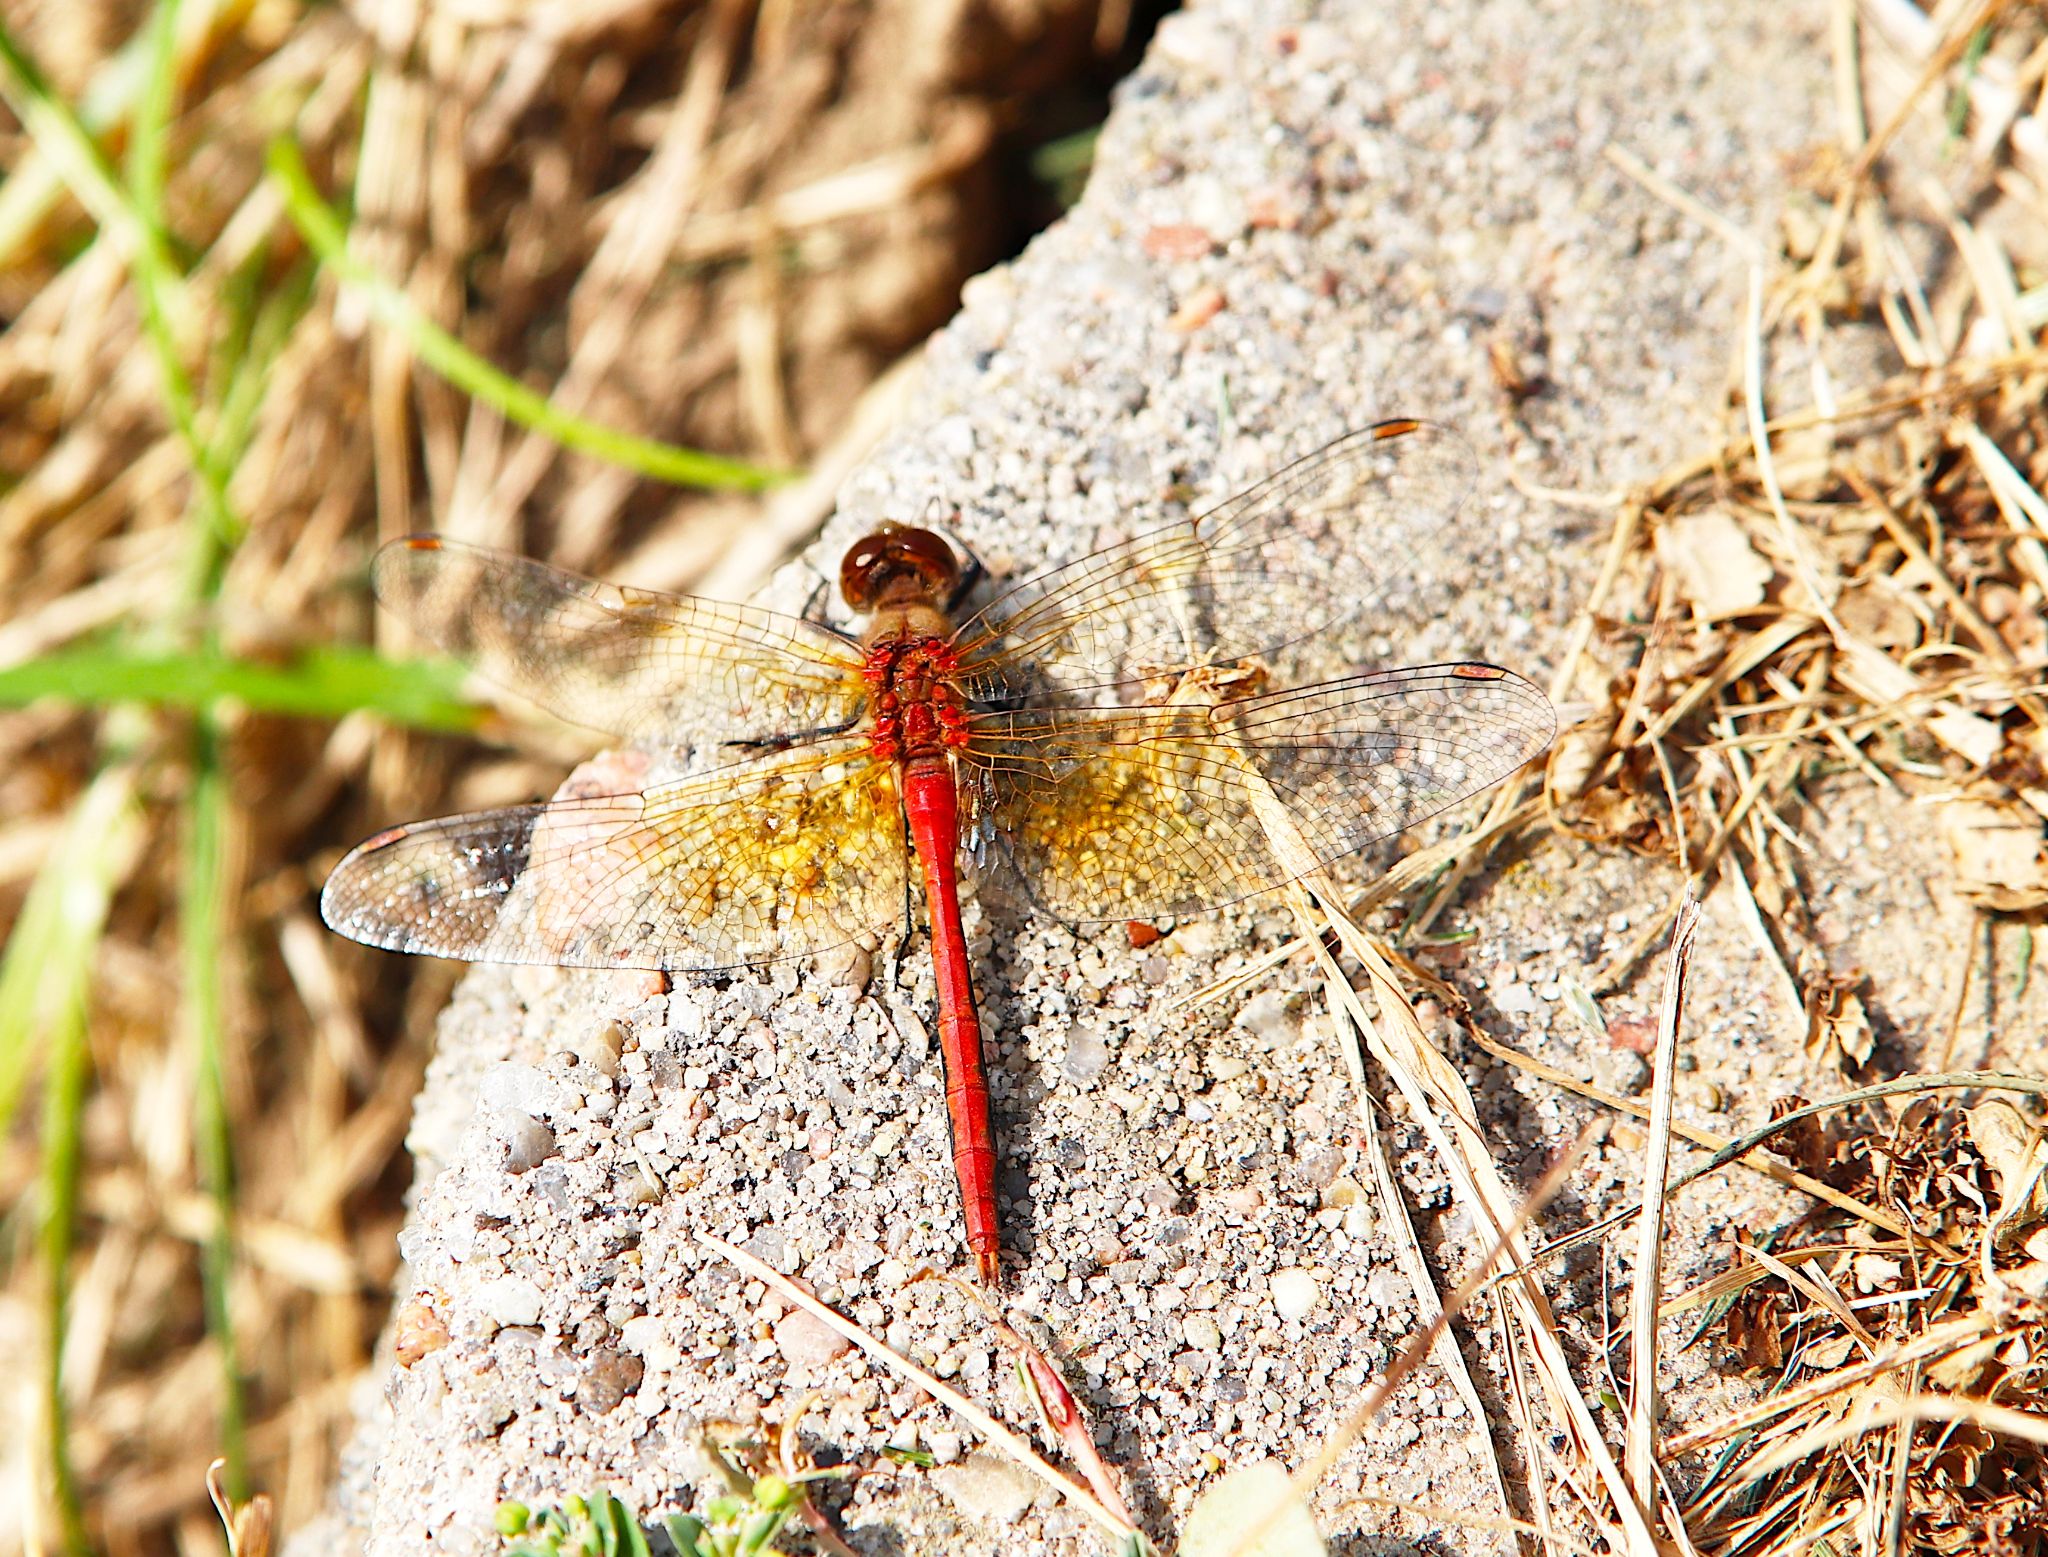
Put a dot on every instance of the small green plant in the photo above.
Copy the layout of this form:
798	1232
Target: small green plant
737	1524
767	1478
743	1522
598	1526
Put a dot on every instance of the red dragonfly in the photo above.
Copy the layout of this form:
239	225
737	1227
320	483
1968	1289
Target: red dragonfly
1044	740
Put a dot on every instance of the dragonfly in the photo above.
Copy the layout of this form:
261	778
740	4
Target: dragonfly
1041	744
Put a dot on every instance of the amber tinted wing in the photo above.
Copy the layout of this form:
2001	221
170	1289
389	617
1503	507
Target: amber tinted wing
661	669
780	857
1349	529
1134	813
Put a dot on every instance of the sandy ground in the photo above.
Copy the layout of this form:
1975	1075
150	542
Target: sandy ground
1302	219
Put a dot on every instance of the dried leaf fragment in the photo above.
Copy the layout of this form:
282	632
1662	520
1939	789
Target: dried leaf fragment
1998	848
1837	1025
1717	569
2013	1147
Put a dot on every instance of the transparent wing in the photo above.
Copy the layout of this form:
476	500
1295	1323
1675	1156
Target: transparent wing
1349	529
657	668
1135	813
785	856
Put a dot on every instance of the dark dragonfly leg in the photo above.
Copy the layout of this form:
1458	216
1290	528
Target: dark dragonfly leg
758	745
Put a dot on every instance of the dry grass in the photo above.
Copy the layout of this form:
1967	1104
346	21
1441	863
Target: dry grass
1855	589
717	227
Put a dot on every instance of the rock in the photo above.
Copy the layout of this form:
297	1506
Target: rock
807	1342
508	1300
417	1331
1295	1293
1085	1058
1430	151
1515	1000
600	1046
608	1377
987	1488
528	1142
1620	1071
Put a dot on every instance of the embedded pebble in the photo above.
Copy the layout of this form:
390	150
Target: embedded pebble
647	1334
1515	1000
987	1487
1295	1293
417	1331
1086	1056
1266	1016
1621	1070
808	1342
1388	1290
608	1378
508	1300
599	1047
528	1142
508	1086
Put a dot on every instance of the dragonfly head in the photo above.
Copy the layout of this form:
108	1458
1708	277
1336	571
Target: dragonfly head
899	564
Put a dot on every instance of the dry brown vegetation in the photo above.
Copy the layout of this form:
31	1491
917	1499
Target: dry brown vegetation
1860	589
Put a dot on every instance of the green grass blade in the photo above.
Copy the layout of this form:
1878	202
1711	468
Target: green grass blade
45	968
316	683
63	1127
157	280
273	311
45	978
146	160
33	187
132	222
67	146
323	231
202	908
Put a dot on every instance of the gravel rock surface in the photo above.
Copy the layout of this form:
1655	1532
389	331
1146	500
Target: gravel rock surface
1302	219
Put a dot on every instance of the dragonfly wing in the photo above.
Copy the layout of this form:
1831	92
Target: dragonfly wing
660	669
785	856
1175	808
1341	532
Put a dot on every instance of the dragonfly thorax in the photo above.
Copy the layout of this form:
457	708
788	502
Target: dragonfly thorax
915	706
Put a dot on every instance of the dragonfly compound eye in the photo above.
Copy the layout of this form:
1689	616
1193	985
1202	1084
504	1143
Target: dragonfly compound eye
898	560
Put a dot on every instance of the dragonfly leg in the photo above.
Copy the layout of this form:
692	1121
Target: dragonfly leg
756	745
814	603
970	576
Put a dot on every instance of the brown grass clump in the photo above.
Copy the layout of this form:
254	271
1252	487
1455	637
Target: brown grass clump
1859	588
1905	1373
